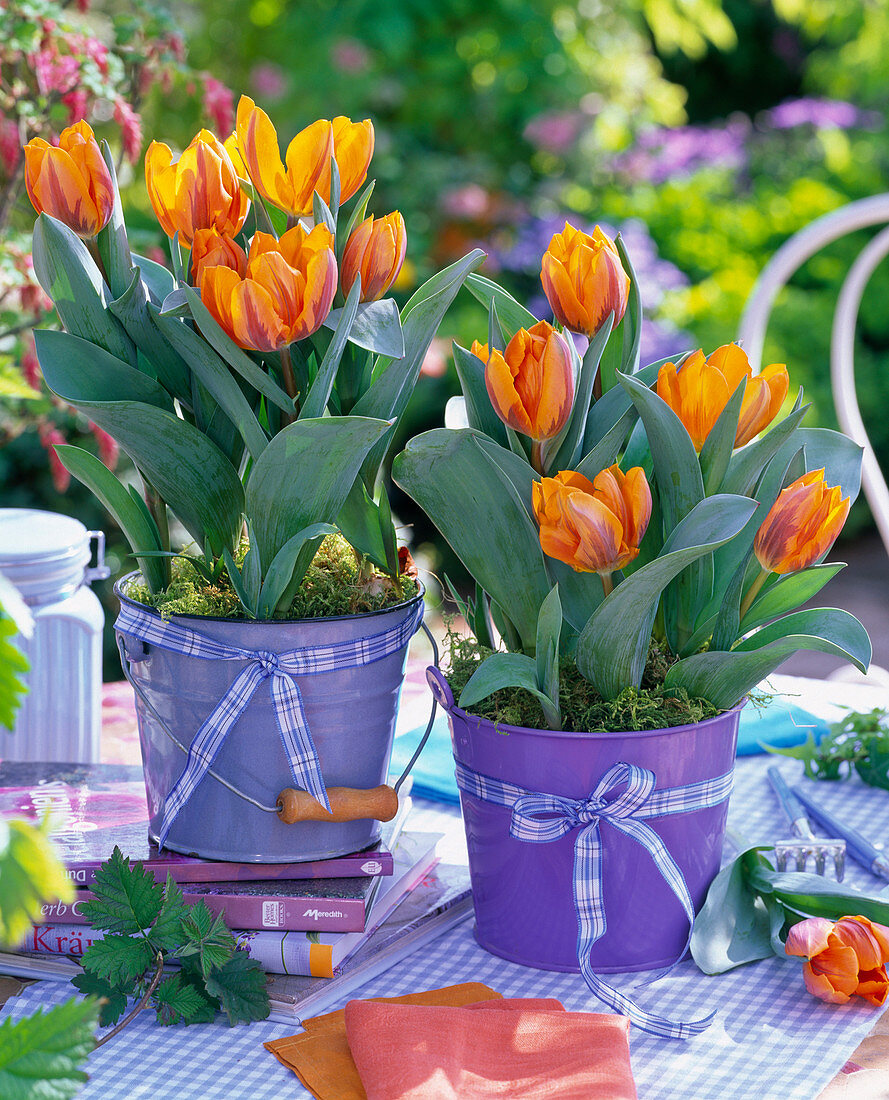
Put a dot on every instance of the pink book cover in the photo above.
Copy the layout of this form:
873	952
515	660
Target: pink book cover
95	806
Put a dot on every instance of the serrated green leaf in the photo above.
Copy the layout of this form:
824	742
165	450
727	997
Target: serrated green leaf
30	875
198	923
240	986
166	932
175	1001
115	998
118	959
125	899
40	1055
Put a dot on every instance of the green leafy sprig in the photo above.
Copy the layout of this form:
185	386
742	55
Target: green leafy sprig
859	742
147	925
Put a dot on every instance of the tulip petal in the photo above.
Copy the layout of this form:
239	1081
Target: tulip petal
353	146
839	964
820	987
258	146
855	934
808	937
254	318
308	165
160	179
873	985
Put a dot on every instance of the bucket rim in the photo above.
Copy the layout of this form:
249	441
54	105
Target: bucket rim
442	691
124	598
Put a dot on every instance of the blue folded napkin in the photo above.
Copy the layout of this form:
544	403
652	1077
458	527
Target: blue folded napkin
779	723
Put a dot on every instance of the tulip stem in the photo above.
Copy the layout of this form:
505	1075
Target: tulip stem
607	583
753	591
289	379
537	456
92	246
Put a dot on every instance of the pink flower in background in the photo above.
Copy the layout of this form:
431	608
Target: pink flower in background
50	437
77	102
54	72
10	146
435	362
471	202
156	253
219	104
31	365
83	6
108	448
130	128
267	80
554	131
350	55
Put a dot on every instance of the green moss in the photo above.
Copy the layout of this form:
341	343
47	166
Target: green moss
650	707
332	586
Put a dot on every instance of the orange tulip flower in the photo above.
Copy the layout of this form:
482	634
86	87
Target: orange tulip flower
801	525
583	279
531	384
307	159
844	959
284	295
213	249
70	182
595	527
199	191
699	389
375	251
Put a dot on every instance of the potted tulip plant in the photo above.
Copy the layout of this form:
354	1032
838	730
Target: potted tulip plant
639	539
255	386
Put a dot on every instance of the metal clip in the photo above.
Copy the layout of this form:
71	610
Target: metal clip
99	571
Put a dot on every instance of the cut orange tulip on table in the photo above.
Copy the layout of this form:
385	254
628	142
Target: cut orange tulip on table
843	958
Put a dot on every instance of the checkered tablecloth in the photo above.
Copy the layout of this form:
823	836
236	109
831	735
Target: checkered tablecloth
770	1039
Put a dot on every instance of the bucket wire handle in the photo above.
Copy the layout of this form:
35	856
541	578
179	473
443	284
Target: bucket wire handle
346	803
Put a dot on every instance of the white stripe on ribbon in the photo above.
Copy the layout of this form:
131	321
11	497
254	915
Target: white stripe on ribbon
261	665
542	818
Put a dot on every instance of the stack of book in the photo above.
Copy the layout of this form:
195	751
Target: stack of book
318	928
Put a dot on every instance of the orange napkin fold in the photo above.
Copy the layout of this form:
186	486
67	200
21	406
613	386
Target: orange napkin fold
525	1050
320	1055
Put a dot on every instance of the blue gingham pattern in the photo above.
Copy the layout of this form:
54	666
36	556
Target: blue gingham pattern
260	665
541	818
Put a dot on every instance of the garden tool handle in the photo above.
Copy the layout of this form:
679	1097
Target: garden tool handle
346	804
790	804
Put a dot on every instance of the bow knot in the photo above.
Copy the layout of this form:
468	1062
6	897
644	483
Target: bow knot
267	661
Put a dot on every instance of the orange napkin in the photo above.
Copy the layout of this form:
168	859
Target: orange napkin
320	1055
520	1050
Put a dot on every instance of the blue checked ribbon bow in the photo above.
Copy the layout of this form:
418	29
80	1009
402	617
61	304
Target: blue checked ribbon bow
541	818
259	665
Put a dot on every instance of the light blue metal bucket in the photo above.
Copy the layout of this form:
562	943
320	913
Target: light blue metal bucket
351	714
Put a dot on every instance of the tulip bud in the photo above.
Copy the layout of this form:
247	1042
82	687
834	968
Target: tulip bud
375	251
213	249
584	280
284	295
70	182
802	524
845	958
699	389
199	191
595	527
531	384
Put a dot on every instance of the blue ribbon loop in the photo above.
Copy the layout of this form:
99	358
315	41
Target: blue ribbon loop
260	665
542	818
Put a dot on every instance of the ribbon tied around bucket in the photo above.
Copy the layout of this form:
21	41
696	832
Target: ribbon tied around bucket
542	818
259	665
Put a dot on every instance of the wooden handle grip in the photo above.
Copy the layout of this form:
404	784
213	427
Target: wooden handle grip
346	804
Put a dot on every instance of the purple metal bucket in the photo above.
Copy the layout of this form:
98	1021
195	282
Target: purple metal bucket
523	892
350	712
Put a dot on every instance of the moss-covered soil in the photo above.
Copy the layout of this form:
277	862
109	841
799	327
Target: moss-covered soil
650	707
332	586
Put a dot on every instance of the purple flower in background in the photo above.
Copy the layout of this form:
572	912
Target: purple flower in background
823	114
267	80
661	154
554	131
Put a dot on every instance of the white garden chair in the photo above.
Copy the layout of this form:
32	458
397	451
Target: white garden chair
787	260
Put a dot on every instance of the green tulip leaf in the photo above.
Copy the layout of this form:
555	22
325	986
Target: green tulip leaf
566	448
359	213
158	280
720	443
481	514
215	376
279	575
724	677
394	379
304	476
68	274
132	310
359	524
746	465
816	896
236	357
479	410
613	645
839	456
549	632
112	243
136	523
316	400
376	327
507	670
511	314
622	350
787	593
